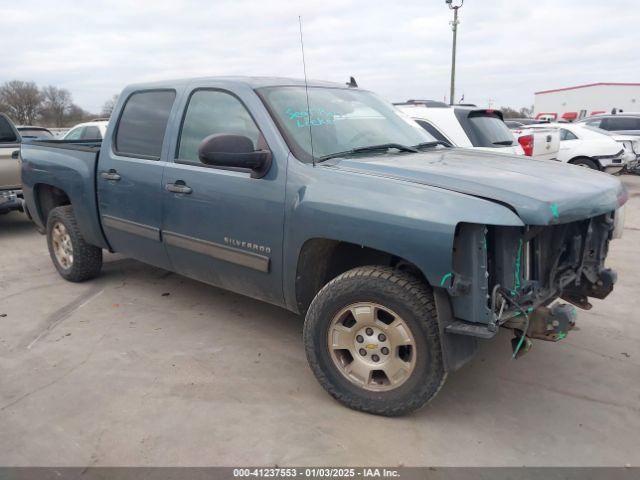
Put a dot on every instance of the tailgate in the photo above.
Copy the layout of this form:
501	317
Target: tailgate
9	167
546	143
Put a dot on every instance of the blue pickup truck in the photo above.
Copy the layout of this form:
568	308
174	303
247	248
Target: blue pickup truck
400	251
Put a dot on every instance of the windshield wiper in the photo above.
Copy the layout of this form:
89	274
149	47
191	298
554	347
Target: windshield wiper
433	143
503	142
371	148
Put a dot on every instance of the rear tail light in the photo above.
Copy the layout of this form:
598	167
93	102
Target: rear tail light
526	142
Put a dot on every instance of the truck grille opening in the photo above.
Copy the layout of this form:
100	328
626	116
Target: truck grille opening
534	265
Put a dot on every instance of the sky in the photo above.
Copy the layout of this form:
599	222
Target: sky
507	50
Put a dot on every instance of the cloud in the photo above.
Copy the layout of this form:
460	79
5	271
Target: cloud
507	50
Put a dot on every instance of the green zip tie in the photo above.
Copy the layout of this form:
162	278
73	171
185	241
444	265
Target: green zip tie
445	278
516	285
518	347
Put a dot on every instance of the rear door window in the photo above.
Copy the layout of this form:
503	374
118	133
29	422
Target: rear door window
143	124
7	134
567	135
485	129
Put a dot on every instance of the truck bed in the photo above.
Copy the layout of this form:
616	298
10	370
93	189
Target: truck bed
69	165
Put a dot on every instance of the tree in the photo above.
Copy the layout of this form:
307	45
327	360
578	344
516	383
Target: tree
22	101
57	103
508	112
109	105
77	115
526	112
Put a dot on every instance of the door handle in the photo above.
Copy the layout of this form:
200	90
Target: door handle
15	155
178	187
111	175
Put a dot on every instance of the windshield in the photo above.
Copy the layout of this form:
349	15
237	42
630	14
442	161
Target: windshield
338	120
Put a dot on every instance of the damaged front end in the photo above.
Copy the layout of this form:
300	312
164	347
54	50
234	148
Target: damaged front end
509	276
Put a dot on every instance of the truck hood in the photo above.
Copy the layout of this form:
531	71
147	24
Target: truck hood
541	192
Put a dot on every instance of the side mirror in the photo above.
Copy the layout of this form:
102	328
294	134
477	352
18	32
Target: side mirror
234	151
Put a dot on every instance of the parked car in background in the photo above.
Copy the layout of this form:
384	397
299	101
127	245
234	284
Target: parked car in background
623	123
542	143
10	184
463	126
400	253
27	132
587	147
87	131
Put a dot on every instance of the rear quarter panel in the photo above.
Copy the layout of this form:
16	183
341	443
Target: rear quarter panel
73	172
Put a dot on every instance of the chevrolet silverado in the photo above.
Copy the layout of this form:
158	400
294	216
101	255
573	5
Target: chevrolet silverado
401	252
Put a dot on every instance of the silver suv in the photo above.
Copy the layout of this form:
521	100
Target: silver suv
622	123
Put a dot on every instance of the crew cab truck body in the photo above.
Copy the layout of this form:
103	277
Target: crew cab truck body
400	252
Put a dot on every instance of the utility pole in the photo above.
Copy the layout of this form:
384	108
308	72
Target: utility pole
454	27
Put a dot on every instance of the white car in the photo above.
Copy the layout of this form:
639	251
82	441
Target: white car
95	130
539	143
588	147
463	126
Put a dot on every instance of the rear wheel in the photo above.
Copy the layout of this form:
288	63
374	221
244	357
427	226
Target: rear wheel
75	259
372	340
585	162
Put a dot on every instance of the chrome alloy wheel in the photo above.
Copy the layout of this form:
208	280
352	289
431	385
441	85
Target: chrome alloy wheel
62	247
372	346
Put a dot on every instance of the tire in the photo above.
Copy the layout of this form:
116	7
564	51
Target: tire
85	260
585	162
393	291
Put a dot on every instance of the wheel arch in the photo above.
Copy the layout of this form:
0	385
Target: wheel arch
322	259
577	158
47	197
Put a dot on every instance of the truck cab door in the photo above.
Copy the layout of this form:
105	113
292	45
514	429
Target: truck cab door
129	178
220	225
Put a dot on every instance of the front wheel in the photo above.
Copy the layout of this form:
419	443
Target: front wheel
75	259
372	340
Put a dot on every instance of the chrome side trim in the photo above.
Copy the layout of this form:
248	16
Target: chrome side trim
134	228
215	250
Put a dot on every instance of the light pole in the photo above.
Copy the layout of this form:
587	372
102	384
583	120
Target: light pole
454	26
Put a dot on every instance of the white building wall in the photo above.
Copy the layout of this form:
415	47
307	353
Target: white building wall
590	98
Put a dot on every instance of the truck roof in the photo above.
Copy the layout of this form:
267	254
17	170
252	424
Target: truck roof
251	82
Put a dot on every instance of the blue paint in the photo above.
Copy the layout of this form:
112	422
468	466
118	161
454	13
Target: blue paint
315	117
554	210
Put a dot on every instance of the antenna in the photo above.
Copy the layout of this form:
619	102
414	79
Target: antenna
306	90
